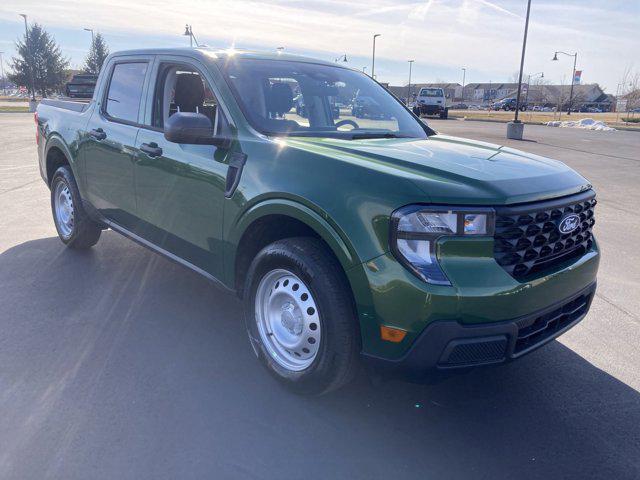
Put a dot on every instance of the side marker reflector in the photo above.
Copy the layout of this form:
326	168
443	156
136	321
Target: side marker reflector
390	334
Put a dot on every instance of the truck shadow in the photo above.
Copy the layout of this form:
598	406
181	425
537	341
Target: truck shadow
120	362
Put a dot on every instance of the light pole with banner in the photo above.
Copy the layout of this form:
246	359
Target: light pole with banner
573	74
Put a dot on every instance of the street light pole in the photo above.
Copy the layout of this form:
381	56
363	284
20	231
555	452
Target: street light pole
26	45
364	69
373	57
92	37
409	87
4	80
573	74
188	31
341	57
515	129
464	73
526	98
524	48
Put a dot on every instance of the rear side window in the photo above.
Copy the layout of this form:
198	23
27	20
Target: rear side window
125	91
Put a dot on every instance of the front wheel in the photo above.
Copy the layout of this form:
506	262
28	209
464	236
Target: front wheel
300	316
74	226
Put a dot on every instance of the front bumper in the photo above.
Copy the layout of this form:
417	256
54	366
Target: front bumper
444	347
430	109
483	300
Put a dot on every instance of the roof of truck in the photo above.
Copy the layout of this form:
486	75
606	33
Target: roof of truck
217	53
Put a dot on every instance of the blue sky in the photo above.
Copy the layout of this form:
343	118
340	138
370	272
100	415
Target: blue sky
442	36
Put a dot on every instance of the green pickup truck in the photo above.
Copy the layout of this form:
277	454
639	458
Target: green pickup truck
350	240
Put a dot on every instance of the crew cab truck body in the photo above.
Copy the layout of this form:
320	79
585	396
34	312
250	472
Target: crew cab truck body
346	238
431	101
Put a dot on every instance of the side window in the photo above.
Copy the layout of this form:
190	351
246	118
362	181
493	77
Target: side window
180	88
125	91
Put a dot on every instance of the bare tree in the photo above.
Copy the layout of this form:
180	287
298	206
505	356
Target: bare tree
630	87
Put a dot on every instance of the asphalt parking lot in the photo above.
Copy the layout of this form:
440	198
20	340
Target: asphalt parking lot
116	363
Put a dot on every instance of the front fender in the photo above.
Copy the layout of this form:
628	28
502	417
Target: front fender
319	222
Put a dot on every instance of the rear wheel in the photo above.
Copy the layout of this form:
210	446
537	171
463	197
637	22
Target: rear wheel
300	316
74	226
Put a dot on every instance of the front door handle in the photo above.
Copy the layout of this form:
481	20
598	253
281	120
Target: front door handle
98	134
152	149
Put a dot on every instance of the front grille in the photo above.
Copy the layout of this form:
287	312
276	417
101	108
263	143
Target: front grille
549	324
528	241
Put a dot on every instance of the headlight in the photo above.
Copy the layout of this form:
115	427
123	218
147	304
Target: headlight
415	230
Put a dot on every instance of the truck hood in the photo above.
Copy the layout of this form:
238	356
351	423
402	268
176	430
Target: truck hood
455	170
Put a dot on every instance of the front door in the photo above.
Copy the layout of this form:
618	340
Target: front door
109	148
180	188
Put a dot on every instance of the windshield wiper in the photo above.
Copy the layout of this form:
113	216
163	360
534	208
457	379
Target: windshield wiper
362	136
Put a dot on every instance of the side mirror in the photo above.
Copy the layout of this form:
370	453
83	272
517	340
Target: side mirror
191	128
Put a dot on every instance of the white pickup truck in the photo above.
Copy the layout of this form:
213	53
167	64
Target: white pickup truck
431	101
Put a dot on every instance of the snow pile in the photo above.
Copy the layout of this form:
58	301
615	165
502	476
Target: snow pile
586	123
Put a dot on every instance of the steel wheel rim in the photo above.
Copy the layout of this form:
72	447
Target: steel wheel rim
63	207
288	320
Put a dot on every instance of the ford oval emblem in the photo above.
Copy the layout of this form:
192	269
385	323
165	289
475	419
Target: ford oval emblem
569	223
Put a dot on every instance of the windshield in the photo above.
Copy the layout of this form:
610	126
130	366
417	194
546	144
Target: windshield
281	97
431	92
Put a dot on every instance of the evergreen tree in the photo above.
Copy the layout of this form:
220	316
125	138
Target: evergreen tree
40	55
99	51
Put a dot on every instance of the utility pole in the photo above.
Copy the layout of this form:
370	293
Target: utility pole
464	73
515	129
32	107
409	87
373	57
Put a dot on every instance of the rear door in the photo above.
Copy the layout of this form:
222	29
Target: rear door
180	188
108	150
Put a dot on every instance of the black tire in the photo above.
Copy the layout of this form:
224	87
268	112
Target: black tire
336	361
444	115
85	233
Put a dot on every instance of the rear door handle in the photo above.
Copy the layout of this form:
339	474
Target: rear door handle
152	149
98	134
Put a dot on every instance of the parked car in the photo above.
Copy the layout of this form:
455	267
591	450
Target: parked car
81	86
378	241
367	107
509	104
301	109
431	101
459	106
